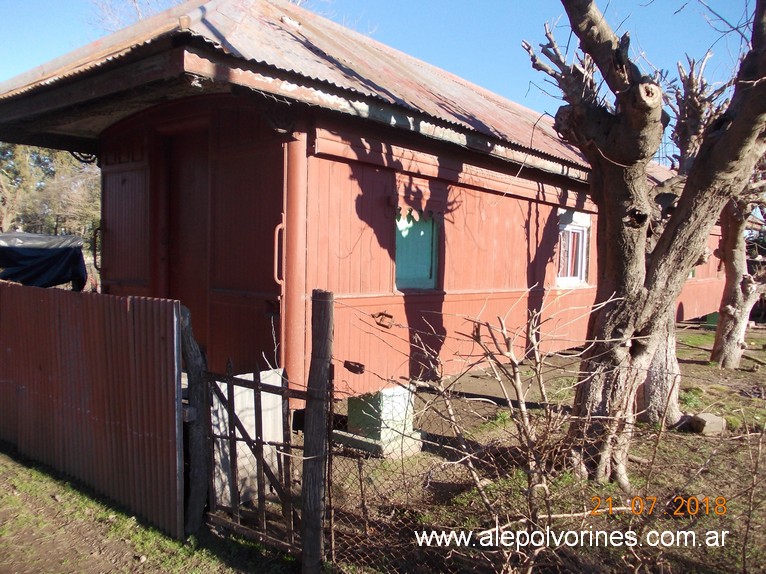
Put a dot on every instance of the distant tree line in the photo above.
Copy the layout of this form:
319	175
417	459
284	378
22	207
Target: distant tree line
47	191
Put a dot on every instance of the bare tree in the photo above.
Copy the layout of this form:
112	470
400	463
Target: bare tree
744	286
70	198
619	142
696	105
112	15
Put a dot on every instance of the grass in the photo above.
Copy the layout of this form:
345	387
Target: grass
706	388
695	338
499	421
50	523
562	389
691	398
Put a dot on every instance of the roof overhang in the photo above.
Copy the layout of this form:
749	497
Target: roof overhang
220	68
71	112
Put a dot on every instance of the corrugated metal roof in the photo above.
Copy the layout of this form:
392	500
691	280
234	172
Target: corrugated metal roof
283	36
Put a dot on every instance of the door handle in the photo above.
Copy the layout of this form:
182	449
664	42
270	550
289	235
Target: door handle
277	244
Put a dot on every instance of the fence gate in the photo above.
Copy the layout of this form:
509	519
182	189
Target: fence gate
254	465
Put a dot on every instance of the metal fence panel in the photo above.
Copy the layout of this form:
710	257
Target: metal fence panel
92	387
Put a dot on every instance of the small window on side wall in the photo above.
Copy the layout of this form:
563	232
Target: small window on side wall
574	241
417	252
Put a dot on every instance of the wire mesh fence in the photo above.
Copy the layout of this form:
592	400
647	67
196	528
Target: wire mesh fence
443	506
457	472
429	477
473	473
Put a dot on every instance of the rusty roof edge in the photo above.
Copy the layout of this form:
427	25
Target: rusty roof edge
327	95
116	45
473	141
399	118
513	147
314	92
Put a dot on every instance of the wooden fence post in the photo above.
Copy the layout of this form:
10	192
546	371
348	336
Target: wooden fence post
315	432
199	456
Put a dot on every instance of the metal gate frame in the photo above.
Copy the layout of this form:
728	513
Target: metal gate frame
281	529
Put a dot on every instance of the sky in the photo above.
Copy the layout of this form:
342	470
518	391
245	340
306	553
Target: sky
479	40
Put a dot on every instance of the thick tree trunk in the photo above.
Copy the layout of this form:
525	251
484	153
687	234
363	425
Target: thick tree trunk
657	399
604	416
631	335
741	291
615	365
636	290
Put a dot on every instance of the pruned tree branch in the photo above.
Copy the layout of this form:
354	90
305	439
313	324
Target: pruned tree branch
730	148
609	53
696	105
576	81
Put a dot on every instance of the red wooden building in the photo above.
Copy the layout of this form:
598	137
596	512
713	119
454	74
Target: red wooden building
252	151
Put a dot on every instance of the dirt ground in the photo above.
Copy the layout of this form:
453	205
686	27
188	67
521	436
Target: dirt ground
39	532
49	526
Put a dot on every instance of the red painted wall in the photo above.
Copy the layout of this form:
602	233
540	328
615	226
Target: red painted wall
498	256
702	292
497	244
192	195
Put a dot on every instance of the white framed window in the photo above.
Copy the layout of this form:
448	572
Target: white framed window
417	252
574	242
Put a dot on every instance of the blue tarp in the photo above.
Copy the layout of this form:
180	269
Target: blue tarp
42	260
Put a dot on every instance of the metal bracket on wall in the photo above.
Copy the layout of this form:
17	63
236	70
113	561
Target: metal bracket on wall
353	367
383	319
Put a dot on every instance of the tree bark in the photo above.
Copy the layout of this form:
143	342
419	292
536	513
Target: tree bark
603	415
624	339
741	291
657	400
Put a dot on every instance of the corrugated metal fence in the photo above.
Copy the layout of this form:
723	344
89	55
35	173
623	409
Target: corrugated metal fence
90	385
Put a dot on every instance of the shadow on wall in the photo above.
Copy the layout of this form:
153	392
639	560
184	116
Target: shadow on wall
542	237
408	222
411	215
